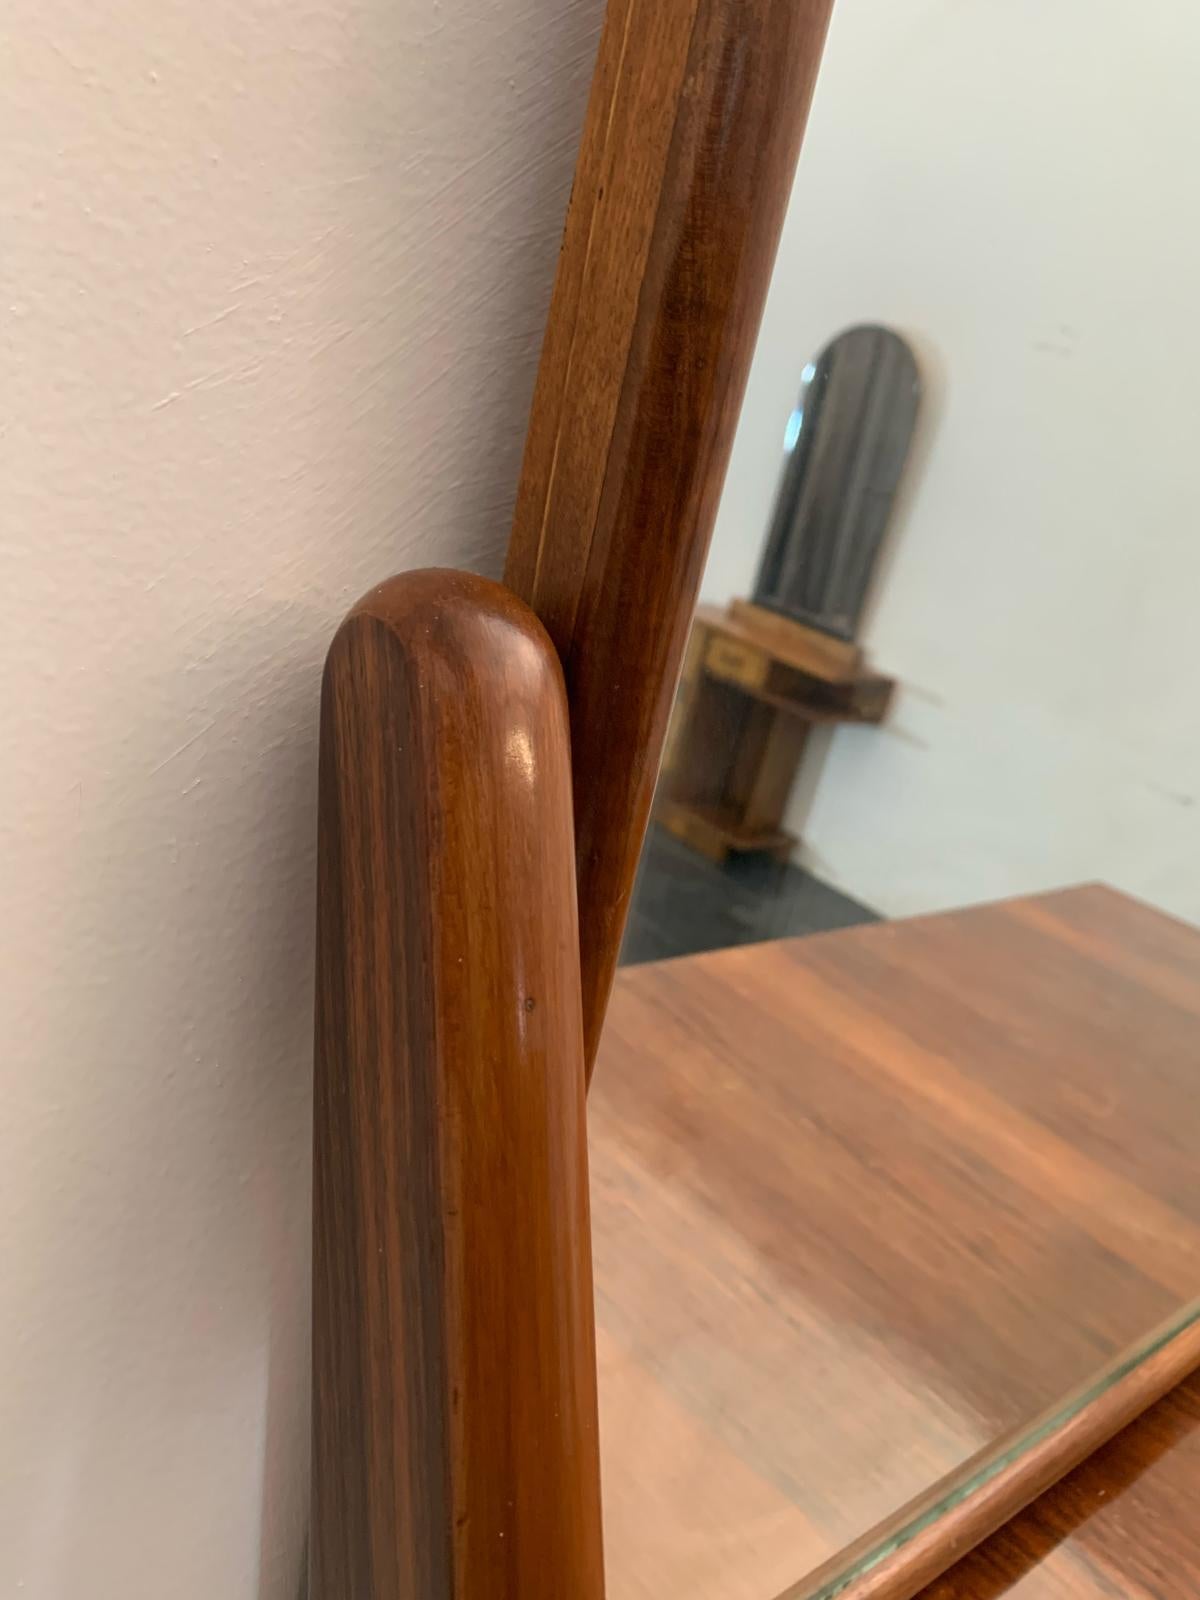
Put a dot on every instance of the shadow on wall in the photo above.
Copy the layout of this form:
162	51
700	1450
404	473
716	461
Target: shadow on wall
188	1153
447	255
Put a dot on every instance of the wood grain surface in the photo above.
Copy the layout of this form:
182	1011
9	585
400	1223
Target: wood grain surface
685	166
863	1203
454	1390
1123	1526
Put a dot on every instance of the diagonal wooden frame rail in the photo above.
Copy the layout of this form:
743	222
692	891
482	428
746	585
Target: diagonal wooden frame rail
689	146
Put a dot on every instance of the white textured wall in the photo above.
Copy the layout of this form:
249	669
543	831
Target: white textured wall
1007	182
273	284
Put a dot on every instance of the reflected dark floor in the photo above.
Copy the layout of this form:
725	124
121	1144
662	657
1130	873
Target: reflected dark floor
683	904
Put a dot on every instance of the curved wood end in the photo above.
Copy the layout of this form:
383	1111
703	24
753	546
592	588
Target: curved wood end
454	1388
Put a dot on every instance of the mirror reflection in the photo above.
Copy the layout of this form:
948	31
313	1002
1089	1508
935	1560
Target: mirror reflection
845	448
892	1170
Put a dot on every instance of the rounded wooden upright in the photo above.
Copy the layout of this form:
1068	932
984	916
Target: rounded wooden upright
454	1391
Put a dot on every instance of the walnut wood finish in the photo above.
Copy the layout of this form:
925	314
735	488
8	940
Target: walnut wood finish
1122	1526
454	1429
684	170
864	1204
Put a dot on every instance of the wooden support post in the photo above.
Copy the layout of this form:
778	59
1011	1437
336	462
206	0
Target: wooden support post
454	1387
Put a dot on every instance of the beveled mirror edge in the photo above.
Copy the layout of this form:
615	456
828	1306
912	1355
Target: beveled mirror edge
899	1556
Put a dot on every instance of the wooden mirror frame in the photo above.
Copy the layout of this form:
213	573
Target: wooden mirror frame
454	1393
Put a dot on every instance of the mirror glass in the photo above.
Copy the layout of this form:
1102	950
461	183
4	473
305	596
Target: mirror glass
893	1124
845	448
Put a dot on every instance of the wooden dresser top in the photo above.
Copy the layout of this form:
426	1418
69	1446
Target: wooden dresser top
863	1201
